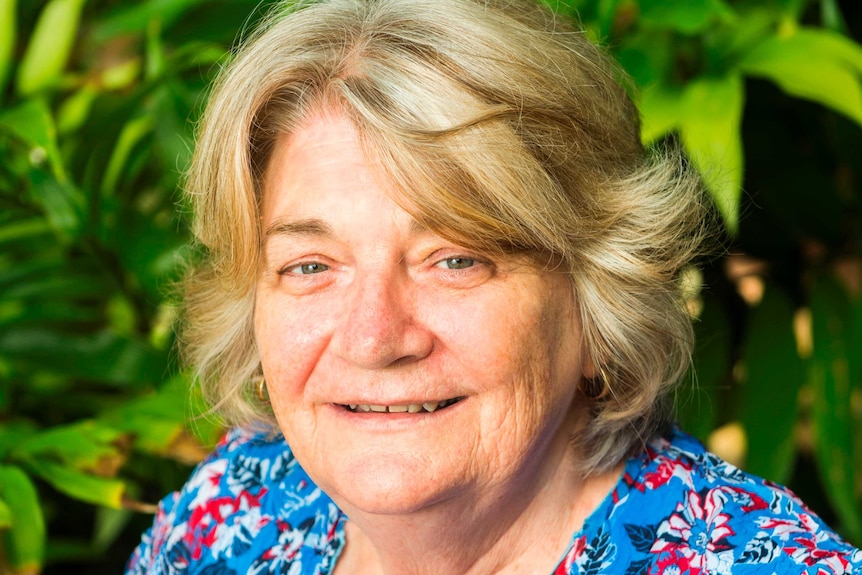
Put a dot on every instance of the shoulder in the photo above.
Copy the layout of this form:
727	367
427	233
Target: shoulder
249	506
681	509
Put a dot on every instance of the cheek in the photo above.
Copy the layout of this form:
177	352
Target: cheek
545	346
291	339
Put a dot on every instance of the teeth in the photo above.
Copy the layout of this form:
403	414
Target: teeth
428	406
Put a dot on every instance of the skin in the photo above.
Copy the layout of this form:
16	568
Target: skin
357	304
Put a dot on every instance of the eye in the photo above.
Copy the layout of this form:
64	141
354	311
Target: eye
457	263
305	269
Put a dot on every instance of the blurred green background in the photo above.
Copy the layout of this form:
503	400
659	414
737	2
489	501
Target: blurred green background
98	99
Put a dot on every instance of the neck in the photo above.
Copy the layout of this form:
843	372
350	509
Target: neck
525	528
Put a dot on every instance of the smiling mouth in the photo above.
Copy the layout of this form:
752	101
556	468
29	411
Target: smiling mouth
427	407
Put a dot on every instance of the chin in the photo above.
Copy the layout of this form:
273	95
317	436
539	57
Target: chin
396	485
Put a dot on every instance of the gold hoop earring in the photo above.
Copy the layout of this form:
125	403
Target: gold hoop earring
597	388
262	392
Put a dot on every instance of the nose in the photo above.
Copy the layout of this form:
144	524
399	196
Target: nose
381	327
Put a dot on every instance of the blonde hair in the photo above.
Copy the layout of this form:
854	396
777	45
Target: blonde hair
502	130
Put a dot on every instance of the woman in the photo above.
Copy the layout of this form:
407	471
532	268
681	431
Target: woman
440	303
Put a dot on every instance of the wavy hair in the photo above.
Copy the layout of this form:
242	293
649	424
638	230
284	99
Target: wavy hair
503	130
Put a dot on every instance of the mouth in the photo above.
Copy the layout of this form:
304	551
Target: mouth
425	407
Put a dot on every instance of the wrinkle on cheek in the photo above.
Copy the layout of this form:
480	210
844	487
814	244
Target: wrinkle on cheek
497	438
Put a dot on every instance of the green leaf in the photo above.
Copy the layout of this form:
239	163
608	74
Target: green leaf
81	486
24	543
32	122
647	56
122	75
5	515
104	357
63	203
109	526
13	433
774	376
50	46
792	8
85	446
75	109
135	17
710	124
831	15
834	422
817	65
606	11
23	230
23	282
155	420
660	109
131	134
686	16
8	36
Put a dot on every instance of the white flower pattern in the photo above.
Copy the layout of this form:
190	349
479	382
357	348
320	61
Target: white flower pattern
677	510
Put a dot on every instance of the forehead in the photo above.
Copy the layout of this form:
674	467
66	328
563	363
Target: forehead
320	168
457	185
323	149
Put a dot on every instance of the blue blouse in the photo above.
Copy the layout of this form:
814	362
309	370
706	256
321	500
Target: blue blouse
677	509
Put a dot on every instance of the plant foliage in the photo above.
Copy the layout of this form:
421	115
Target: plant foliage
97	103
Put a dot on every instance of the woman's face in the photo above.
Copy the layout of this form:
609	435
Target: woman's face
404	370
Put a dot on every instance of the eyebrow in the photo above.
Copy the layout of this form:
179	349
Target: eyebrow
313	227
306	227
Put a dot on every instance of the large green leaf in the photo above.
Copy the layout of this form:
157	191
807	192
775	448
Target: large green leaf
774	376
660	107
23	544
50	45
817	65
834	420
710	123
82	486
85	445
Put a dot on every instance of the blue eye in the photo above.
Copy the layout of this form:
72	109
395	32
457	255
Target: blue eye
307	268
457	263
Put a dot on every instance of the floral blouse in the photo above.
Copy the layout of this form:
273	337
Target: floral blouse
677	509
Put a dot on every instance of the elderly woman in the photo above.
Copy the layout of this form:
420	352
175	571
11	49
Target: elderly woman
439	301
